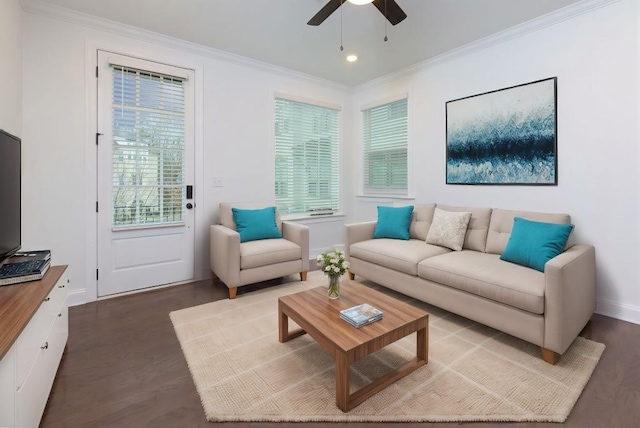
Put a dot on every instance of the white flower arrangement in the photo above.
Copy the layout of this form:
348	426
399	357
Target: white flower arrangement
333	262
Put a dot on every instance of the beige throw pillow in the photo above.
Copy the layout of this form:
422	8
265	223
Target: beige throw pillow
448	229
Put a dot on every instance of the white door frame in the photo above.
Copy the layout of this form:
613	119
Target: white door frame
139	256
155	53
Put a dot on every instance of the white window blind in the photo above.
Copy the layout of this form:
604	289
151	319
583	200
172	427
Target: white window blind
307	161
148	147
385	149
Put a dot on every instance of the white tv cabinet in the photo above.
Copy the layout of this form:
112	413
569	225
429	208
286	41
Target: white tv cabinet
34	327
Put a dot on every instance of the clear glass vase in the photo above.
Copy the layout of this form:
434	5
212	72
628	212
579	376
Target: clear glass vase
334	287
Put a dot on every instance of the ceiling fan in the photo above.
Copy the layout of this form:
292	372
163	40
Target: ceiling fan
389	8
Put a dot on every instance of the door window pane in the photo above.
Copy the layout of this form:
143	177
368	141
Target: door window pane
148	148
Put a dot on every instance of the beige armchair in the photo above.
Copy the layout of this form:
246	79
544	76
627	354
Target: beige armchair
237	264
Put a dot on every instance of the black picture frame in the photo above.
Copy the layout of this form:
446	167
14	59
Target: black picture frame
504	137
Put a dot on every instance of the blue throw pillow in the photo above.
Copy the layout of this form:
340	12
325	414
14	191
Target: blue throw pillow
393	222
533	243
256	224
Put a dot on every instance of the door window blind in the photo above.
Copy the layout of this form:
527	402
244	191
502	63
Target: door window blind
307	157
385	138
148	147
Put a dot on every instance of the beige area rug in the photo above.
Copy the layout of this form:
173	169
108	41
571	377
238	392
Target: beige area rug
243	373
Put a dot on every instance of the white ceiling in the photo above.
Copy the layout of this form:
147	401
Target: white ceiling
275	31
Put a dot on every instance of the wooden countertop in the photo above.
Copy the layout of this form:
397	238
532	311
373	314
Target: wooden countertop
19	302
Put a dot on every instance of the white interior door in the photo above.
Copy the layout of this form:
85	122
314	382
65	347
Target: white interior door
145	168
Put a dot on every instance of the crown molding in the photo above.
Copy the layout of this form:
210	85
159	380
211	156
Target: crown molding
564	14
56	12
38	7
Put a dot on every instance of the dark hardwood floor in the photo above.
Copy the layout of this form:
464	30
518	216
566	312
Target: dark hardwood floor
123	367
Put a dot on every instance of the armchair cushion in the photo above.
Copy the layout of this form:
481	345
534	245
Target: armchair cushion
268	252
256	224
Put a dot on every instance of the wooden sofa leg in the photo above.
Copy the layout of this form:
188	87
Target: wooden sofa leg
232	292
352	276
303	276
550	356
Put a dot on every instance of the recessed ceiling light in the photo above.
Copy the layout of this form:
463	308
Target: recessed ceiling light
352	58
359	2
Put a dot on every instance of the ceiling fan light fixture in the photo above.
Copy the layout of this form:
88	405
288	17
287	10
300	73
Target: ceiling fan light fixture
360	2
352	58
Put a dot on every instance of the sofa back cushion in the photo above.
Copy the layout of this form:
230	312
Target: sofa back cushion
476	236
502	223
226	214
421	221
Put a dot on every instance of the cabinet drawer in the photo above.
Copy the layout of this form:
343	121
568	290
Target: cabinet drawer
34	334
8	388
32	396
53	302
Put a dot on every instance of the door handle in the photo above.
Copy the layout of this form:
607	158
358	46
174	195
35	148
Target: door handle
189	205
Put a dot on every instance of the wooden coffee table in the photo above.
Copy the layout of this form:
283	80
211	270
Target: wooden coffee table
319	316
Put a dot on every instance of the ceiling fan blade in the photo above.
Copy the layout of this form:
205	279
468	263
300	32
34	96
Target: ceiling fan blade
393	12
325	12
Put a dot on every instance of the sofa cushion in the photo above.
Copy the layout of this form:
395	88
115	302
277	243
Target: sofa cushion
534	243
476	236
267	252
393	222
256	224
502	223
448	229
487	276
394	254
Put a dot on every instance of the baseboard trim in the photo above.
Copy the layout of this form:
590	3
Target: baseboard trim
619	311
77	297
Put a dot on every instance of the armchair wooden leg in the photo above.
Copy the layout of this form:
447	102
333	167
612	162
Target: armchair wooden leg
232	292
550	356
352	276
303	276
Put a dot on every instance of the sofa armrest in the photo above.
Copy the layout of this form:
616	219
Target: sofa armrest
357	232
570	296
225	254
298	233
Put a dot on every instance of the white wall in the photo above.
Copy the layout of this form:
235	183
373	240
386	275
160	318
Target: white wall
11	69
594	56
234	133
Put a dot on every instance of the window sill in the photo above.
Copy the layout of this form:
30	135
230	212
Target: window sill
305	217
385	197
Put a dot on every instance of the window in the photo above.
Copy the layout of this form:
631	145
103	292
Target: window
307	161
385	149
148	147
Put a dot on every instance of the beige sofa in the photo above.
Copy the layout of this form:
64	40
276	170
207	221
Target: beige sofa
237	264
547	309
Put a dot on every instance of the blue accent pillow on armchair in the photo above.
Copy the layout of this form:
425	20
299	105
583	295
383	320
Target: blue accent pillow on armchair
256	224
534	243
393	222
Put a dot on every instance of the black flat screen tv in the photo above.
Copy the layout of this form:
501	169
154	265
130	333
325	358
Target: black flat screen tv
10	161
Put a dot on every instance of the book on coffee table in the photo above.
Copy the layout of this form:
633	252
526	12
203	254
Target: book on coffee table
361	315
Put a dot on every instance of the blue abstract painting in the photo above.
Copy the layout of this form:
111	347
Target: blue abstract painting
506	136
